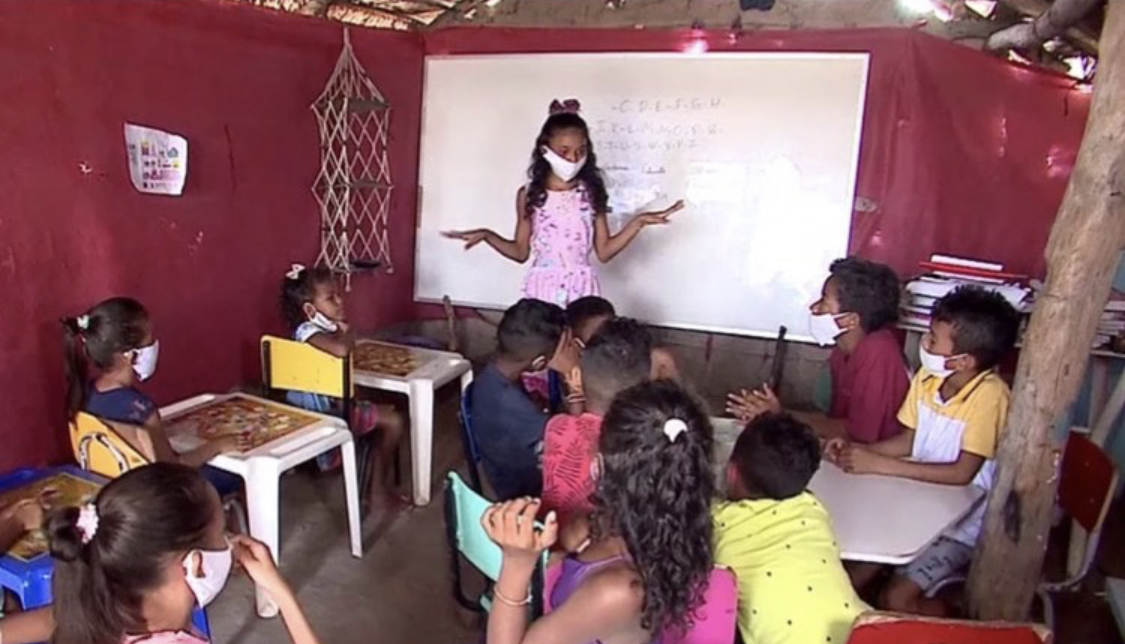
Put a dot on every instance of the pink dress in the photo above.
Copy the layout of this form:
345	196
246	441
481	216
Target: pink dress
562	236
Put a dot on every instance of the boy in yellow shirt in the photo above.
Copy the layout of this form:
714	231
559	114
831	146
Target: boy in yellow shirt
778	540
953	413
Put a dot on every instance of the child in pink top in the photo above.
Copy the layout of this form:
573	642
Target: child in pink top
617	357
561	214
156	533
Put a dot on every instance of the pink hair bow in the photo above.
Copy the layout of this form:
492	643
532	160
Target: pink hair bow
569	106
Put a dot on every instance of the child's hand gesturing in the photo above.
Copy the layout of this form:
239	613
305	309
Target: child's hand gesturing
470	237
748	405
512	526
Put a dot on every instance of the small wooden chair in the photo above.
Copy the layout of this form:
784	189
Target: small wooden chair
892	628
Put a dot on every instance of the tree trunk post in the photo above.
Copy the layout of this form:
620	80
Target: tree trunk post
1082	255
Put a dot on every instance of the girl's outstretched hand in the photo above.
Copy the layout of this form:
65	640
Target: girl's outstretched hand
512	526
470	237
659	217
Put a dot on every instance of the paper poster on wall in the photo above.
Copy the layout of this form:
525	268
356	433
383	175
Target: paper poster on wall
157	160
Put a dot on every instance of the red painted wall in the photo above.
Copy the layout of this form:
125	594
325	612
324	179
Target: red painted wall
237	82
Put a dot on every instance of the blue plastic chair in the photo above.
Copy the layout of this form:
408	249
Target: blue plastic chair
469	440
464	509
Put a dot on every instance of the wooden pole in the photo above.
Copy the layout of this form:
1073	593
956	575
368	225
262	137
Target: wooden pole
1082	255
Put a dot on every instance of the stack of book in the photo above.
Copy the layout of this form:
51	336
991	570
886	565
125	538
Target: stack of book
944	273
1112	323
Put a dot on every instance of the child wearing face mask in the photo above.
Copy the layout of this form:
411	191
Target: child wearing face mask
954	412
561	214
314	309
132	565
117	338
856	312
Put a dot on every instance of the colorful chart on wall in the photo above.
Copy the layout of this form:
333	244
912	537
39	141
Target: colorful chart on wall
384	359
67	489
264	421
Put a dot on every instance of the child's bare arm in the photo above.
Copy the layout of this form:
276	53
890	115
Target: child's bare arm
898	446
960	472
338	344
28	626
162	447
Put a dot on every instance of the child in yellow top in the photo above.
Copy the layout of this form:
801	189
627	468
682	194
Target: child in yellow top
953	414
778	540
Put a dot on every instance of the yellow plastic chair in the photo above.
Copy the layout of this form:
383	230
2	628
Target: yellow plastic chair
108	449
299	366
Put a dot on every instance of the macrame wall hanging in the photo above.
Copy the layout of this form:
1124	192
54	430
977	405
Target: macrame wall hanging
354	185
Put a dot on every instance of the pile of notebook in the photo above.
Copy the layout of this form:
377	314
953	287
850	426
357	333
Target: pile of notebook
944	273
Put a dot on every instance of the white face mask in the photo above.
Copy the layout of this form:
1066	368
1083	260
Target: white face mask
144	360
322	322
563	169
823	328
215	565
934	363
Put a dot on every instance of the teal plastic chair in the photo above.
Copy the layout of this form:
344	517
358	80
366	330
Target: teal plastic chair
468	541
822	390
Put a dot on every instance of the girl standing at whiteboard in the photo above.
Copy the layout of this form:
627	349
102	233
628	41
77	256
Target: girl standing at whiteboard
561	214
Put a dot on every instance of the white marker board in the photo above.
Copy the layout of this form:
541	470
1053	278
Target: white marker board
763	147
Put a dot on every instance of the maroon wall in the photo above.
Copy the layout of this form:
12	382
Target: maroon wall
962	152
237	82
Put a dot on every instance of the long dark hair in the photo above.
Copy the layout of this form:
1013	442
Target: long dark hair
655	491
589	177
116	325
300	290
143	517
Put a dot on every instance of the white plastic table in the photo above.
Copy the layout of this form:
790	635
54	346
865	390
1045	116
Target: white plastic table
881	519
435	369
263	466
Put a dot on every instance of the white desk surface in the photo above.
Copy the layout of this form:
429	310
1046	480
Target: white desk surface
439	367
880	519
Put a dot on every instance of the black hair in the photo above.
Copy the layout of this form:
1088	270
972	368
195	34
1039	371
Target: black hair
299	291
588	307
985	325
589	177
776	456
143	517
868	289
655	492
617	357
114	326
530	328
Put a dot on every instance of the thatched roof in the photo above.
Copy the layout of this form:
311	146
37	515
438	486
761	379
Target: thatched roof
1062	34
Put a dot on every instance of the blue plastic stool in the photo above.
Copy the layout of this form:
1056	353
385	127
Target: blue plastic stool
30	580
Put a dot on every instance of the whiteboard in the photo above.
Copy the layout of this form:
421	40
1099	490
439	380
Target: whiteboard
762	146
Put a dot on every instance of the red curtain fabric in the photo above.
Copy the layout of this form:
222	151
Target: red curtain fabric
962	153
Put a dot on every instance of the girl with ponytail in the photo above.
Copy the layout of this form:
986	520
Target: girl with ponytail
132	565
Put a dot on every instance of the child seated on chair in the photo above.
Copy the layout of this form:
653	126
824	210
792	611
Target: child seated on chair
117	337
131	565
314	309
617	357
507	424
641	575
856	313
586	315
777	538
954	412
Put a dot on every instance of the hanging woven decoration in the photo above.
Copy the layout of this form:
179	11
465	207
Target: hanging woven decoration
354	185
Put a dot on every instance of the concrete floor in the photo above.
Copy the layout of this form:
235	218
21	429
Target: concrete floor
398	593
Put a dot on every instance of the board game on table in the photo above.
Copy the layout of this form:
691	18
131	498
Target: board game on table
386	359
262	420
66	490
